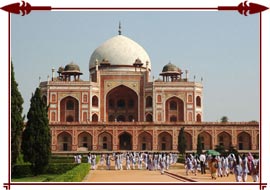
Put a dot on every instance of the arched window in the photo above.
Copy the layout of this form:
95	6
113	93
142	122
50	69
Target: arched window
94	118
95	101
198	101
244	141
149	102
122	101
70	105
224	139
173	105
199	118
69	110
105	141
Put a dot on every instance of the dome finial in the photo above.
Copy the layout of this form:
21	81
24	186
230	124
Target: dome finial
119	28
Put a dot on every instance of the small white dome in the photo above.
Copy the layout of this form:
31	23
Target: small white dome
120	51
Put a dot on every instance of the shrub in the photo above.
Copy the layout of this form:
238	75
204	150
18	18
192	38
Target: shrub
62	160
59	168
22	170
75	175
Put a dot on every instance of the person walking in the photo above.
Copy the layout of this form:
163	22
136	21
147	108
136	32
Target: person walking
127	162
102	160
188	164
108	162
202	163
162	165
237	169
245	169
225	166
93	162
213	167
255	168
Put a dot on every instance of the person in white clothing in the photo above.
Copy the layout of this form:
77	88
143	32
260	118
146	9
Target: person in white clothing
255	169
202	163
245	170
79	158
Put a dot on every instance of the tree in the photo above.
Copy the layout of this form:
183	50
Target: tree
36	139
224	119
199	145
220	149
233	150
16	119
182	144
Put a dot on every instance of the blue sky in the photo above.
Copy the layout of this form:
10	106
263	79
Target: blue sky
221	47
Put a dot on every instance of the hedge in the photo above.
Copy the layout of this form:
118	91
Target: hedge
24	170
77	174
59	168
66	159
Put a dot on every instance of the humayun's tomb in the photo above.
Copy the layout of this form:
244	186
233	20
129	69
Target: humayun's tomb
120	107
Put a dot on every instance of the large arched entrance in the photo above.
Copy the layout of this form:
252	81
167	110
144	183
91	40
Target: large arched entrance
225	140
69	109
206	140
105	141
244	141
174	110
145	141
64	141
164	141
125	141
122	104
85	141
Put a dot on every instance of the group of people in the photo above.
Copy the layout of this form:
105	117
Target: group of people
132	160
219	166
222	166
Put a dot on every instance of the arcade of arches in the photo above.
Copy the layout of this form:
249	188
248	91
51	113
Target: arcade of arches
121	136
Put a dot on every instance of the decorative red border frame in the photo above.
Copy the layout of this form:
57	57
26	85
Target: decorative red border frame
25	8
243	8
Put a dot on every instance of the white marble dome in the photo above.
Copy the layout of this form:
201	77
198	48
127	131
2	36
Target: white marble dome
120	51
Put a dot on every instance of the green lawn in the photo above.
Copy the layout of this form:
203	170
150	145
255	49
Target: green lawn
38	178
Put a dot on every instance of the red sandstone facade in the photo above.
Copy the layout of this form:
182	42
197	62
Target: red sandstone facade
120	108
